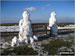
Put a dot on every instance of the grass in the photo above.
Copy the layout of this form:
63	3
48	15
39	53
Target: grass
52	46
20	50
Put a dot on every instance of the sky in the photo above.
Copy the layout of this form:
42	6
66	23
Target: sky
11	11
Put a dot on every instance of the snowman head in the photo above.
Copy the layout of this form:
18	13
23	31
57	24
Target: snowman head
53	14
25	15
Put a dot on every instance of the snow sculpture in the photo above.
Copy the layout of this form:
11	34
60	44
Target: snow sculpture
25	33
14	41
52	24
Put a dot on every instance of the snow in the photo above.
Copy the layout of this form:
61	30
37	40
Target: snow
52	19
35	37
52	23
9	28
16	28
25	32
65	27
14	41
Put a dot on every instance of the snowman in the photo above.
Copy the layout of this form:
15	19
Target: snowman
52	24
25	32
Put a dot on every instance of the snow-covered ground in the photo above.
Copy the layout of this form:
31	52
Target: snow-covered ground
16	28
67	27
9	28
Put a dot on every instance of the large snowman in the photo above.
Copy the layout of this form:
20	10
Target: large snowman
25	32
52	24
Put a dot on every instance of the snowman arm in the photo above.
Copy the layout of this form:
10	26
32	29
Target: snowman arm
20	23
51	24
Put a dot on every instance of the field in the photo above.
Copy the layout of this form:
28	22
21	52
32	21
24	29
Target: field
51	45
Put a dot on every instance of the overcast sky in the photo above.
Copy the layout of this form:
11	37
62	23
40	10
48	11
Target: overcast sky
11	11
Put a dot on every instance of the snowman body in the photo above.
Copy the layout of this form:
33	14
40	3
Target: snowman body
25	32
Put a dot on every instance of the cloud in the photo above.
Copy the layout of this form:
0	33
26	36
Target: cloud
34	8
30	8
44	6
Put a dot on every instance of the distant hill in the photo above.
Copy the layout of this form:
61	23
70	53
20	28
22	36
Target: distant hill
59	24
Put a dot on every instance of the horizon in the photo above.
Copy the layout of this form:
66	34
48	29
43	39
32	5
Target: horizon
11	11
42	23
